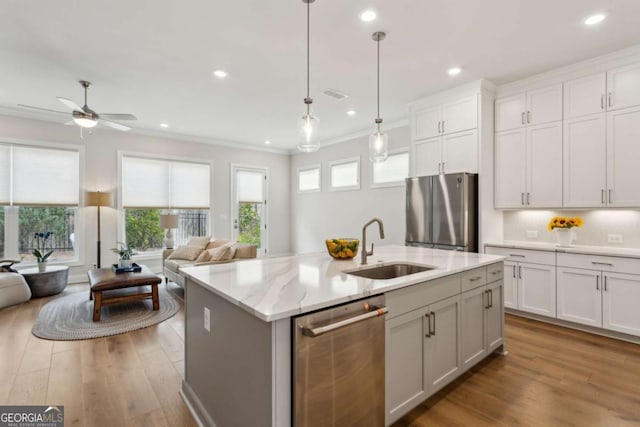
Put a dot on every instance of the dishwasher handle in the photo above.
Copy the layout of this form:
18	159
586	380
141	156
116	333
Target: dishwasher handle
314	332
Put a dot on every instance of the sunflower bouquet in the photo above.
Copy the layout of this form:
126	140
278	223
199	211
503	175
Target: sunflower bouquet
564	222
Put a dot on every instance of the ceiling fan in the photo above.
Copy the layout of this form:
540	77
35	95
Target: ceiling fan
84	116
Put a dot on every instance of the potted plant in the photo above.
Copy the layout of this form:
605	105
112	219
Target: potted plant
562	226
125	252
40	249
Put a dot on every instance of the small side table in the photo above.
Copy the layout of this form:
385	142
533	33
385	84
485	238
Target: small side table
49	282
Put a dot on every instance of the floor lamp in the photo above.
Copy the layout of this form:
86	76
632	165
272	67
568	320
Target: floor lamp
98	199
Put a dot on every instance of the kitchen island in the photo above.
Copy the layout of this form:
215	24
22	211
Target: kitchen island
238	336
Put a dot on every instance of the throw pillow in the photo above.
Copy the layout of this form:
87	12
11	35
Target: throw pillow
222	253
244	251
203	257
217	243
200	242
189	253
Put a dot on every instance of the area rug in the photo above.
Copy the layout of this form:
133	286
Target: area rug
70	317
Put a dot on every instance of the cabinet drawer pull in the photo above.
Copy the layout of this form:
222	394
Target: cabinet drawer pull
597	283
428	334
602	102
517	255
608	264
495	272
473	279
433	332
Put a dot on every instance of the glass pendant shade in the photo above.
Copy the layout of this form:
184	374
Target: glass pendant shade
308	127
378	146
85	122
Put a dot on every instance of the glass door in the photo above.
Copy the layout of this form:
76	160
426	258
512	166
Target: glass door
249	206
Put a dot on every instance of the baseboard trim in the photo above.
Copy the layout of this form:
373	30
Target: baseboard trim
195	406
576	326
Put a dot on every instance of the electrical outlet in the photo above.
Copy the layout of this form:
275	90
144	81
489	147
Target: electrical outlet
532	234
614	238
207	319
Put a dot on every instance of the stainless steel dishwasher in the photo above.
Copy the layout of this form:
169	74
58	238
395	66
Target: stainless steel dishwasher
338	363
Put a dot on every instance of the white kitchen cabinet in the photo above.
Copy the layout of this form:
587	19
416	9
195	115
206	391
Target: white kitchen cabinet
584	158
510	289
406	379
534	107
623	153
451	117
623	87
528	167
580	296
447	154
510	168
585	96
537	289
620	303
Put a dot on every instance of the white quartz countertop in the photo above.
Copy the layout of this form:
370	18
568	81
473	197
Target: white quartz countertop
277	288
575	249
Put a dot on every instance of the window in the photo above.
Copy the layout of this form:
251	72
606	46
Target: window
391	172
39	188
309	179
345	174
151	186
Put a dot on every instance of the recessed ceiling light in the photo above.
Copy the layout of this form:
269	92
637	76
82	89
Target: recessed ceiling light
368	15
267	142
595	19
221	74
164	125
351	112
454	71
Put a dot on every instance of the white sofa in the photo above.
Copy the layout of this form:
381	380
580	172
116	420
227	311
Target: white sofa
171	267
13	289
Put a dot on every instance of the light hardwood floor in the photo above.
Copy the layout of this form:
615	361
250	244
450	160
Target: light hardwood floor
552	376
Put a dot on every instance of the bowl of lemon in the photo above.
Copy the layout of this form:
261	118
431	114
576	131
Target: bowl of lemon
342	248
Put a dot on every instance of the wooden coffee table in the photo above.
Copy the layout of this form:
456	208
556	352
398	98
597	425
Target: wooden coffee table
106	280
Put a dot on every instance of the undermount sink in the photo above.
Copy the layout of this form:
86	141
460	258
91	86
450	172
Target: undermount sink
390	271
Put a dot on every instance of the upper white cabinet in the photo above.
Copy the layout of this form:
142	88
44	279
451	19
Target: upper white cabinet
450	117
623	87
530	108
510	168
585	96
623	152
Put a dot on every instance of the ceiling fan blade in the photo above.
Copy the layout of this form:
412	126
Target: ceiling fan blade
42	109
70	104
116	116
114	125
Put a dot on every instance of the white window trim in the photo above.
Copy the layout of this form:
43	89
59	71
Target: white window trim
308	168
342	162
391	183
120	228
80	226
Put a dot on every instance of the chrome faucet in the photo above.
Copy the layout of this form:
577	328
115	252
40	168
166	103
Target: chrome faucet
366	253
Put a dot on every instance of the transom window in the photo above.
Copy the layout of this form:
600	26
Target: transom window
345	174
392	171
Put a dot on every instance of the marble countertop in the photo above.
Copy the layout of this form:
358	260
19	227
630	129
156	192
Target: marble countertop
575	249
277	288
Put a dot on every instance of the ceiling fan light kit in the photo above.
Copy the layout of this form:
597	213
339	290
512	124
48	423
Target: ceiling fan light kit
378	141
308	124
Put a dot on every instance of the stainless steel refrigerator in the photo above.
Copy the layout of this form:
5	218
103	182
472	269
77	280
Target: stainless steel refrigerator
442	212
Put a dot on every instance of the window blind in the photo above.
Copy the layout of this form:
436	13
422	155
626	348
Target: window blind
164	184
394	169
36	176
249	187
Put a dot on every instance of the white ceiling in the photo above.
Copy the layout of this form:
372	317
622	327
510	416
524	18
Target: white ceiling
155	58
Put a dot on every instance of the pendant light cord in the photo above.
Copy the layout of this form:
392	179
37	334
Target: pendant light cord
308	30
378	43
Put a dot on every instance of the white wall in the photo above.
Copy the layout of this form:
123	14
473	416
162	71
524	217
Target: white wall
101	174
318	216
597	225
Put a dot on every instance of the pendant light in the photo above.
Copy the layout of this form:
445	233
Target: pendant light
378	141
308	124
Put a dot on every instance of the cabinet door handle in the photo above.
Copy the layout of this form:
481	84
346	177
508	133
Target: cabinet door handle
602	196
522	199
602	102
428	334
610	197
519	272
528	202
605	284
522	120
597	283
514	272
491	298
486	305
433	332
610	102
528	116
438	127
